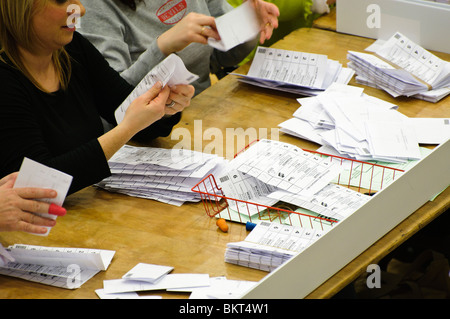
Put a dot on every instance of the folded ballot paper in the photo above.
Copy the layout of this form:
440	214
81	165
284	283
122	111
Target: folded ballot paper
34	174
402	68
55	266
296	72
235	27
171	71
269	245
166	175
363	127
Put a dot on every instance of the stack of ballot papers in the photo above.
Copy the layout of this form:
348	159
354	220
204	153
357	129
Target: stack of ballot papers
402	68
166	175
270	174
362	127
55	266
150	277
295	72
269	245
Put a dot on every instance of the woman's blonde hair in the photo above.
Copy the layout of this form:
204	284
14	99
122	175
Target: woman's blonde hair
16	31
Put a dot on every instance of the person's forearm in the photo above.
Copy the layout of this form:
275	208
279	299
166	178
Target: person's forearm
114	139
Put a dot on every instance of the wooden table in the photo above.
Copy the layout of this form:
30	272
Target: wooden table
326	21
184	237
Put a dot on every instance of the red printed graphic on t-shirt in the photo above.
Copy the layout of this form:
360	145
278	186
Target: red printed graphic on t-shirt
172	11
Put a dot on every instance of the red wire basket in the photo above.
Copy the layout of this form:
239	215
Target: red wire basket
216	204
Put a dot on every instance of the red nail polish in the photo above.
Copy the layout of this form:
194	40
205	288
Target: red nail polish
56	210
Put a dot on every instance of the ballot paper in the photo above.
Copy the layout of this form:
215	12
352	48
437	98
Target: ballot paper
269	245
56	266
246	189
402	68
165	175
235	27
296	72
222	288
171	71
34	174
125	295
170	281
431	130
286	166
333	201
356	125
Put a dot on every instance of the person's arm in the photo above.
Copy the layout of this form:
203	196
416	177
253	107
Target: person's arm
111	89
105	26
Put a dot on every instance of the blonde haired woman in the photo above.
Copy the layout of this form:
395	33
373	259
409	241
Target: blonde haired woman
55	87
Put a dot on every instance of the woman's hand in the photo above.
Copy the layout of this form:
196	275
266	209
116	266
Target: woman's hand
194	27
17	206
146	109
179	98
268	14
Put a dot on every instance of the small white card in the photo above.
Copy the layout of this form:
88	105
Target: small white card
147	272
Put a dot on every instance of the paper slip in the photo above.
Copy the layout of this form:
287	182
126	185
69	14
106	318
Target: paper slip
34	174
246	188
167	282
56	266
222	288
286	166
147	272
431	130
126	295
171	71
333	201
235	27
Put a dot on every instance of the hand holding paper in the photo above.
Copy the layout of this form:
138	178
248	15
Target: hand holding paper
49	181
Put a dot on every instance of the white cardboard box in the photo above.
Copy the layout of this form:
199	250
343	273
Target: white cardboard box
425	22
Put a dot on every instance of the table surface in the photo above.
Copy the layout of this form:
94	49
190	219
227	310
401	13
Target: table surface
147	231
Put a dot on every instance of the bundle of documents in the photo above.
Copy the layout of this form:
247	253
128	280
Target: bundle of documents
166	175
363	127
402	68
295	72
149	277
269	245
55	266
